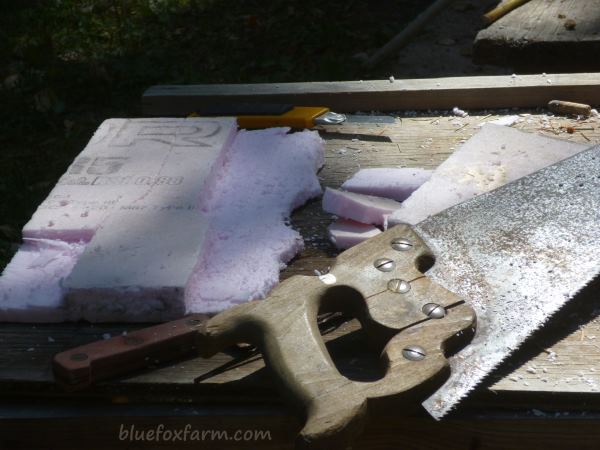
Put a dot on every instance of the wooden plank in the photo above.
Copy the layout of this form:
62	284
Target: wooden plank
425	141
275	429
536	36
379	95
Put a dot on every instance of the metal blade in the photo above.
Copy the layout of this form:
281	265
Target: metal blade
365	118
516	255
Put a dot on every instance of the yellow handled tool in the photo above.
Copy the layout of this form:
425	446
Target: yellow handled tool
502	10
274	115
297	117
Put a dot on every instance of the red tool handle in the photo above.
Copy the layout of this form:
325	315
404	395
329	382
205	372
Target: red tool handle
82	366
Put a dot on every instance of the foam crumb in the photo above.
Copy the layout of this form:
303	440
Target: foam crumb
459	112
328	278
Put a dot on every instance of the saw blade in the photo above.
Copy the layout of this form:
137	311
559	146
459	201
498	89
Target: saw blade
516	255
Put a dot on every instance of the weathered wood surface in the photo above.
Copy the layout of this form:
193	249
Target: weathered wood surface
544	35
566	361
381	95
274	429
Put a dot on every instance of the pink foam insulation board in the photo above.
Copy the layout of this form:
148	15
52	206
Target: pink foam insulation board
396	183
495	155
141	211
131	163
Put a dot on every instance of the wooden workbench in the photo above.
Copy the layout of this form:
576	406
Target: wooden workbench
547	395
544	35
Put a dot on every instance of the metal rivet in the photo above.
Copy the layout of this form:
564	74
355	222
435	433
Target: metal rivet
384	264
194	322
133	340
78	357
434	310
401	244
414	353
399	286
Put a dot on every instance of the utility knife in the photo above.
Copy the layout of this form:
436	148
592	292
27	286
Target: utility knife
265	115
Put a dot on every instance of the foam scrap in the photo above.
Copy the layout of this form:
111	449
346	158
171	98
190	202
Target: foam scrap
136	267
505	120
494	156
268	174
459	112
346	233
389	182
359	207
31	286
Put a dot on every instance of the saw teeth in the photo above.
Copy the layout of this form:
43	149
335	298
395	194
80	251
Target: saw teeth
516	255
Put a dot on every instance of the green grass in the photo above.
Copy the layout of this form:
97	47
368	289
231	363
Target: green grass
66	65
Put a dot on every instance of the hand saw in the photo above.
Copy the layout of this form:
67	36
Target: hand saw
511	258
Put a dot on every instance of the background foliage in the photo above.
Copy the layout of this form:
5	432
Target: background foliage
66	65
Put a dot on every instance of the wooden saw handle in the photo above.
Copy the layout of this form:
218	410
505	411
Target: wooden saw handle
380	282
284	327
